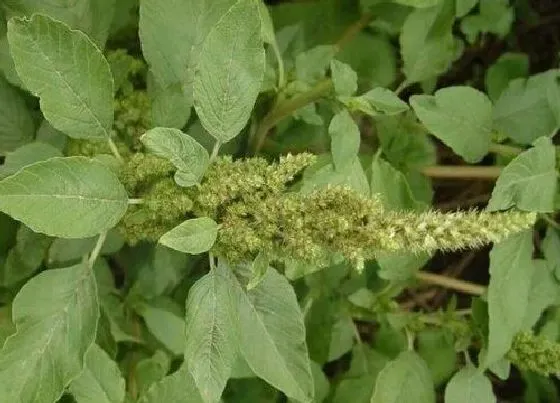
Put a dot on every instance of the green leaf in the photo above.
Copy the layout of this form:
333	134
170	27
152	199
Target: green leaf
56	316
405	380
551	249
161	274
25	257
272	336
459	116
48	195
437	349
529	181
391	186
344	78
259	267
311	65
524	111
211	348
100	381
426	52
463	7
511	272
469	385
418	3
508	67
69	250
544	292
49	135
151	370
345	139
92	17
27	155
190	158
16	121
170	107
378	101
230	70
164	324
177	388
494	16
192	236
325	174
67	72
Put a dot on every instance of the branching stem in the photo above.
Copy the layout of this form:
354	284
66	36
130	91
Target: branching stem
286	108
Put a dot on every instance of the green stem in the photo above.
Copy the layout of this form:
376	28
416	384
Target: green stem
505	150
402	86
550	221
97	249
136	201
286	108
280	61
462	172
451	283
114	149
215	150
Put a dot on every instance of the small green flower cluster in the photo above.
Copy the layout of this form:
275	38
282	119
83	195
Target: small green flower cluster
530	352
132	117
164	204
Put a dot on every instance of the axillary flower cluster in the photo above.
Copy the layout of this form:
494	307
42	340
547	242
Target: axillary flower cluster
535	353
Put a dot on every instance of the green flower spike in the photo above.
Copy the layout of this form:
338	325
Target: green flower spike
530	352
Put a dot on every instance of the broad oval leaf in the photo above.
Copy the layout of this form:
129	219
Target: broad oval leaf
187	154
526	110
426	51
529	181
211	348
192	236
407	379
469	385
16	121
165	324
230	70
67	71
511	273
100	381
272	336
55	314
72	197
461	117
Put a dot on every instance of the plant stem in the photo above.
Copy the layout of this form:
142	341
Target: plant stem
402	86
114	149
215	150
286	108
136	201
505	150
353	30
462	172
97	249
550	221
451	283
280	61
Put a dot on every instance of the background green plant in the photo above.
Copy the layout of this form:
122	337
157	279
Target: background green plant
206	201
